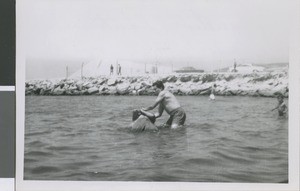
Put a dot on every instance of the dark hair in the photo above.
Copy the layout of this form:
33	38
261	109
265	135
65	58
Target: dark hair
135	114
280	96
159	84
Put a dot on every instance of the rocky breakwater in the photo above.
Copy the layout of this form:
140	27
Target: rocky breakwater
255	84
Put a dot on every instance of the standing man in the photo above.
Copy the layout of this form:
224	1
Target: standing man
168	102
111	70
119	70
234	66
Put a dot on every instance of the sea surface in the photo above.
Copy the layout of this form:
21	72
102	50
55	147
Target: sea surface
232	139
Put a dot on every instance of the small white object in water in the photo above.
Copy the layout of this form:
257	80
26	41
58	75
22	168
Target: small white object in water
212	97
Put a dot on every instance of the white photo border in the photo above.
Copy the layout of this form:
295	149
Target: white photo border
294	98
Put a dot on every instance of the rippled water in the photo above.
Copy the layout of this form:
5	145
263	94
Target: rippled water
234	139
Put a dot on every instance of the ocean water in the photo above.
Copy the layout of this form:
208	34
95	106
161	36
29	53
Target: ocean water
232	139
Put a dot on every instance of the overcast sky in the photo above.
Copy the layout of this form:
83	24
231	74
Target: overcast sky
202	33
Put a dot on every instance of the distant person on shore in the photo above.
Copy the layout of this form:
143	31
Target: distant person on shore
111	70
234	66
212	92
168	102
281	107
119	70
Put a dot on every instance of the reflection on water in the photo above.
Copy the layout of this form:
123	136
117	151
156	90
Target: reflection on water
234	139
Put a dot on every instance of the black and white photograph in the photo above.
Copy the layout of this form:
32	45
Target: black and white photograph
156	92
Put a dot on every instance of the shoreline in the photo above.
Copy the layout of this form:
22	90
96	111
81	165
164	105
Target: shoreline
267	84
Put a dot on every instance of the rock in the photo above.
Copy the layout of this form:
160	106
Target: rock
185	90
42	92
209	78
172	79
73	87
185	78
196	79
88	85
69	82
75	92
204	92
258	84
37	91
112	82
133	92
102	81
146	84
123	88
93	90
132	80
137	86
59	91
84	92
112	90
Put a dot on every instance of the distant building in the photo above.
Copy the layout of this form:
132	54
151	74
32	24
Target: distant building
189	70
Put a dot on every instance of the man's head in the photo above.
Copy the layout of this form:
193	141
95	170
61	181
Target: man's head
135	114
159	84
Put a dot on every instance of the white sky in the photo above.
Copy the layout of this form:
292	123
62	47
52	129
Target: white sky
203	33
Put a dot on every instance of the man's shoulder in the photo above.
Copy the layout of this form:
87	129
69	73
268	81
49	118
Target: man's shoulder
164	92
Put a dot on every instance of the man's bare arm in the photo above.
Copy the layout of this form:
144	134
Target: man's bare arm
160	111
147	114
158	100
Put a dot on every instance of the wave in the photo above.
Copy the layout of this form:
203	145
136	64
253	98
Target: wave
233	158
202	161
38	154
45	169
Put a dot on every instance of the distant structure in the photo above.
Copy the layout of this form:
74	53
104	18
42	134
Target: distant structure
154	69
275	67
67	72
189	69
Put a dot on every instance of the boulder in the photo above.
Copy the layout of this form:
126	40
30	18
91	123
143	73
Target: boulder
112	82
195	79
72	87
88	85
112	90
133	80
137	86
59	91
186	78
93	90
185	90
146	84
123	88
133	92
102	81
172	79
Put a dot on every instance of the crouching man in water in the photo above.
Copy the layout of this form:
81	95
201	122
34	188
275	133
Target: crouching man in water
143	121
168	102
282	108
